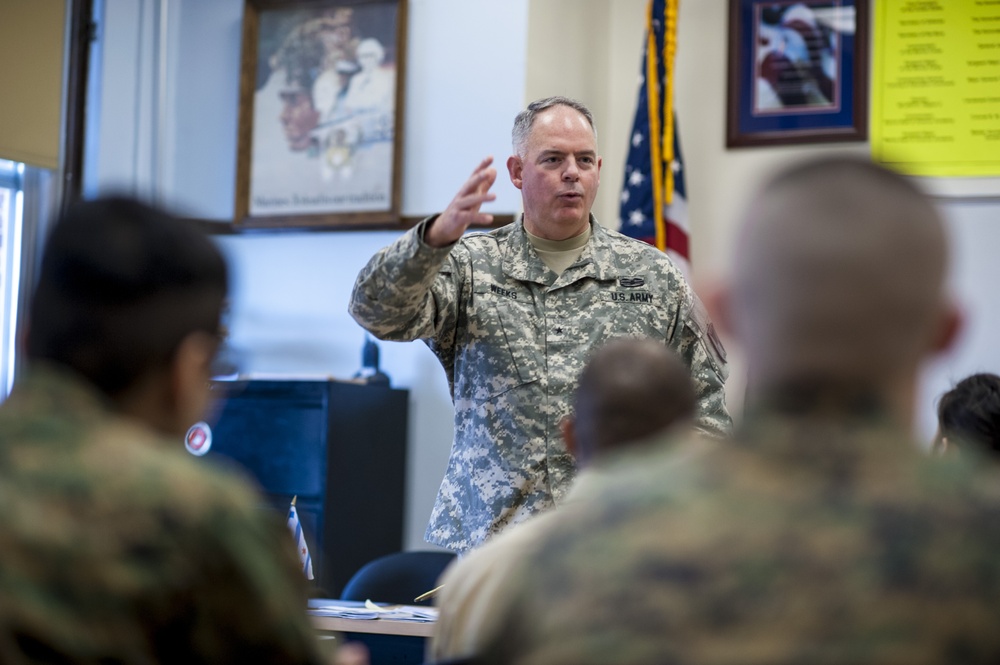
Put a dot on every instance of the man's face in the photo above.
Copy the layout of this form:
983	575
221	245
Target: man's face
369	57
342	35
558	174
298	117
191	374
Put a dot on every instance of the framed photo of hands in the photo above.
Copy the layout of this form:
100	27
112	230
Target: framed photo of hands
320	121
798	72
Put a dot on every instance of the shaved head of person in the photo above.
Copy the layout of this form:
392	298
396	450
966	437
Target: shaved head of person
839	282
629	390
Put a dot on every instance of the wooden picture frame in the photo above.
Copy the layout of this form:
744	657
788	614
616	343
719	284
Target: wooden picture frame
320	121
798	72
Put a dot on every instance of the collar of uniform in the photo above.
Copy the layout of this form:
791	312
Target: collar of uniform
520	261
45	390
823	424
838	452
811	397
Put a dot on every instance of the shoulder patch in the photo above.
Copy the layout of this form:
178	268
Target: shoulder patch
713	337
699	316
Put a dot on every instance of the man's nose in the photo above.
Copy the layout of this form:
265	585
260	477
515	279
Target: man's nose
572	171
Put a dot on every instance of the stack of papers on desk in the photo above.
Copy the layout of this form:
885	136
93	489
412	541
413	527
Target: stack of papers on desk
342	612
372	611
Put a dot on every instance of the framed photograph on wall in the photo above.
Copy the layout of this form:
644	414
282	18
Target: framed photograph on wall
798	72
321	107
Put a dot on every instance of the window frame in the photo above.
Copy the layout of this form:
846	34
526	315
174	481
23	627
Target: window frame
11	227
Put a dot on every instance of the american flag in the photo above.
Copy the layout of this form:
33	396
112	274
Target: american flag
295	526
653	203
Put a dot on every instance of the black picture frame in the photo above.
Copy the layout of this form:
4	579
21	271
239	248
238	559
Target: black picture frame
798	72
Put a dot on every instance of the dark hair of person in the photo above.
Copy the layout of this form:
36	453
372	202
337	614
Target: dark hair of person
121	285
301	56
970	412
630	390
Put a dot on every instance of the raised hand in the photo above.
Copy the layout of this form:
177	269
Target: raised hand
463	211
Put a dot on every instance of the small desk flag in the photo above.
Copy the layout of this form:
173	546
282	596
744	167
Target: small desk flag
653	201
295	526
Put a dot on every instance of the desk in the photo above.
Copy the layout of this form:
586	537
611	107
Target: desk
374	626
380	626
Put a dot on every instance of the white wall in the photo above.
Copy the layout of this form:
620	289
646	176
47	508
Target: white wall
471	66
975	273
591	50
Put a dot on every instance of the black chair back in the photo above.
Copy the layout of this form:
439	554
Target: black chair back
398	578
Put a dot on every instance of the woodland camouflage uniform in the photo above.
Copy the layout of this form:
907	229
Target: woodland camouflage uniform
116	546
817	536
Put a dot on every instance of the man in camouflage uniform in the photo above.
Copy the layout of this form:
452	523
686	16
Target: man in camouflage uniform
116	546
822	534
513	314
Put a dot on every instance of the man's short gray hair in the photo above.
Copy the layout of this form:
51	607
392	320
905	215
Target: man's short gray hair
526	118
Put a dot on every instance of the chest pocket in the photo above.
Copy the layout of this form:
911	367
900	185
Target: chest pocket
625	313
502	349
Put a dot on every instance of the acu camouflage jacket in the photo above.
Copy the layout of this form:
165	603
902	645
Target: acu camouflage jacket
513	337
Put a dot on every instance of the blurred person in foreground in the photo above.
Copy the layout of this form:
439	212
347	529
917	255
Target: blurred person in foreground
116	546
822	533
630	390
969	416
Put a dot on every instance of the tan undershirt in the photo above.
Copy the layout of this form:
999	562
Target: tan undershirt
560	254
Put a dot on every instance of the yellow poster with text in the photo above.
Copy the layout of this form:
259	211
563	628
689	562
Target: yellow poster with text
936	87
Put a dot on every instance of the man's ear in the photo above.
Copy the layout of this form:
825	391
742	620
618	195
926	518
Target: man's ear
718	303
566	426
514	168
190	374
948	329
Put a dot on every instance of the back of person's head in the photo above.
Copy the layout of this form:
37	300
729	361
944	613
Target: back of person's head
630	390
969	413
121	286
838	277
